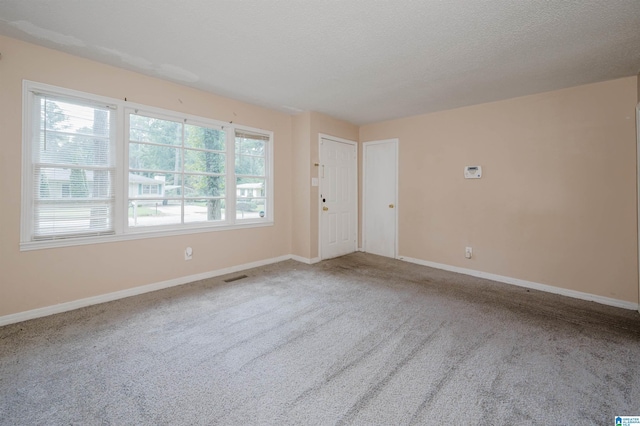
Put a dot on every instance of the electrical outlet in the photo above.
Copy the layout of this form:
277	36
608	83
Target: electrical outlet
468	252
188	253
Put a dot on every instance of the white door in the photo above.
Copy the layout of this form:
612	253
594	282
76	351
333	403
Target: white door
380	200
338	198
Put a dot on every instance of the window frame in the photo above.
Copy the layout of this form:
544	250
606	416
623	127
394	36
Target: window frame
266	189
122	230
184	119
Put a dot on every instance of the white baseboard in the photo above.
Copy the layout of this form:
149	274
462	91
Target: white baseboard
81	303
528	284
305	259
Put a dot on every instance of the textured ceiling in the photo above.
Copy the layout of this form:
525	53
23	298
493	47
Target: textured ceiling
359	60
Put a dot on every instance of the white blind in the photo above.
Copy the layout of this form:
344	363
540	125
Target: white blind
73	168
245	134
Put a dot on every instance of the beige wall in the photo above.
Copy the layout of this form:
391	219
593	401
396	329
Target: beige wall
42	278
556	205
557	201
301	220
307	127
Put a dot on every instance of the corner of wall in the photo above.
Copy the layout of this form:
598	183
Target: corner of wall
301	169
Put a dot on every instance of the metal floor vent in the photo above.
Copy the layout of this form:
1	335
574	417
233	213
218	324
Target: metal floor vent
239	277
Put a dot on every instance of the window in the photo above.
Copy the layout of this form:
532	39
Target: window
190	160
250	168
97	169
72	168
148	189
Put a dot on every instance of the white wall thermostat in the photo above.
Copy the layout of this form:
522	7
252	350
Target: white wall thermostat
472	172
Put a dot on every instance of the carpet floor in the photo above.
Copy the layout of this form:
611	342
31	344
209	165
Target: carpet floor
359	339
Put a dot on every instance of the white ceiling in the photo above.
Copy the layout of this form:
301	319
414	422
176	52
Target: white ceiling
359	60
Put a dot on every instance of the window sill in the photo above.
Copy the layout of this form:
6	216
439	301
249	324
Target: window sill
137	235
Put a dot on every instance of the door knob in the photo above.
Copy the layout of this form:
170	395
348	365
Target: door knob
325	208
391	206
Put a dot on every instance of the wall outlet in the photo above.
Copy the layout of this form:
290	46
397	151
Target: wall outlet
468	252
188	253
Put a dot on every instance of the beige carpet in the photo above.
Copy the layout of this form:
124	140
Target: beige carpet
355	340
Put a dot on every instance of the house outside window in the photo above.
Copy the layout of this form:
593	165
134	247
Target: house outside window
251	175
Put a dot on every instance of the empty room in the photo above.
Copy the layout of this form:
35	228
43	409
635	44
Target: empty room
321	212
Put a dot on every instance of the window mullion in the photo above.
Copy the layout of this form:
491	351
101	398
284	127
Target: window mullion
231	176
182	152
122	163
268	173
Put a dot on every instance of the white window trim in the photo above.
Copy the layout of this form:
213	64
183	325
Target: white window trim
122	231
197	121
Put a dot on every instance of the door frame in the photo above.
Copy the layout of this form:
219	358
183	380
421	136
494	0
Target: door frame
322	136
638	191
365	145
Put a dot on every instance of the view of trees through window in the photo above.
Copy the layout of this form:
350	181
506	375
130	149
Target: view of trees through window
73	172
188	162
176	170
250	175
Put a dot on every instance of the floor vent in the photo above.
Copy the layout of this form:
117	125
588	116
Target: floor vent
239	277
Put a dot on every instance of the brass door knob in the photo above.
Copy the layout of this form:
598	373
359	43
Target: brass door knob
391	206
325	208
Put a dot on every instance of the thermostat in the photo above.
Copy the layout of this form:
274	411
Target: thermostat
472	172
